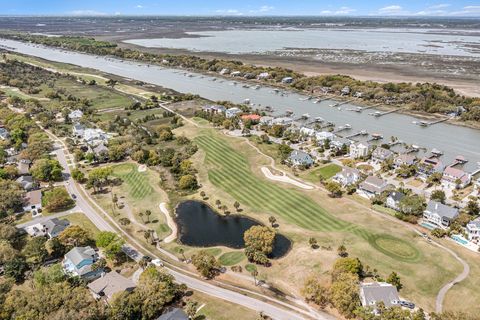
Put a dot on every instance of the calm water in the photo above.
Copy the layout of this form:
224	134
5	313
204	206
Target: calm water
452	140
200	226
371	40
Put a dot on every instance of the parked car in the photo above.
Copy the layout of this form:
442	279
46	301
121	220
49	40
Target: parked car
407	304
157	262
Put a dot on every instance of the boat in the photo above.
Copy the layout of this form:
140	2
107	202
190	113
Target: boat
276	90
319	119
305	116
436	152
339	108
289	111
347	126
246	86
377	114
416	147
423	123
363	132
246	101
306	98
377	136
256	87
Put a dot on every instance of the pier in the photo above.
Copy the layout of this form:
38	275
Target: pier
359	133
338	104
381	114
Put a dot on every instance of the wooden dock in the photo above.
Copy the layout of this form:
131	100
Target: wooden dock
381	114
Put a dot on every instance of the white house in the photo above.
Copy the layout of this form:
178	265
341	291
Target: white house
324	135
309	132
263	75
51	228
78	130
439	214
79	261
232	112
359	150
404	159
455	178
375	292
287	80
372	186
347	176
393	200
33	202
473	230
75	115
381	154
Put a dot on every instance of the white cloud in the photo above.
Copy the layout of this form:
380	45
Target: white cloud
439	6
262	9
139	6
86	13
229	12
393	9
339	11
467	11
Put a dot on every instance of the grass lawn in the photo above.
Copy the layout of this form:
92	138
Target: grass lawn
219	309
326	172
231	258
81	220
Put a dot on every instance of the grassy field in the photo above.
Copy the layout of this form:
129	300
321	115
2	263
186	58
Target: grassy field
218	309
231	258
81	220
136	183
229	170
326	172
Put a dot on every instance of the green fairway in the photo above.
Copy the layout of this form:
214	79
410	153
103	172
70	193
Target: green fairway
231	258
326	172
232	174
137	183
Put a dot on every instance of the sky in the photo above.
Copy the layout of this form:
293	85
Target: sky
244	7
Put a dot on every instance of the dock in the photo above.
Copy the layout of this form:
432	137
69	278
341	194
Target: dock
338	104
359	133
381	114
372	106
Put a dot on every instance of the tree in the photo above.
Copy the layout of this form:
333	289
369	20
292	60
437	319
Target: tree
272	221
218	203
342	251
182	252
313	243
205	263
347	265
124	221
254	274
334	188
140	214
344	294
46	170
472	207
7	232
412	205
188	182
284	151
203	195
78	175
438	195
259	242
148	213
7	252
57	199
111	83
49	275
315	292
394	280
191	308
16	268
98	177
74	236
35	251
236	205
438	233
11	197
104	238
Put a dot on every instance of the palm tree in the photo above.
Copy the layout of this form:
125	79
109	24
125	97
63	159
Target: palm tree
182	252
342	251
140	214
272	220
203	195
146	234
225	209
313	243
218	203
115	200
254	275
148	213
236	205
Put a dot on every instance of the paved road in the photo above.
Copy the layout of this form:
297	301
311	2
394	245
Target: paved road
272	309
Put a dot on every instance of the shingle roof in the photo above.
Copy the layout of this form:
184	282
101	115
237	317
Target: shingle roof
396	196
376	292
55	226
174	314
111	283
78	254
442	210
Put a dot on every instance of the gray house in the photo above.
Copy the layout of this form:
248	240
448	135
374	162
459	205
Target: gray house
372	293
27	182
300	158
54	227
381	154
79	261
174	314
440	214
393	200
109	284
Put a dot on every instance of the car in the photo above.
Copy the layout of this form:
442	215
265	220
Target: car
407	304
74	196
147	258
157	262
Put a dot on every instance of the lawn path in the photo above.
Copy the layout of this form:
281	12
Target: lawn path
171	224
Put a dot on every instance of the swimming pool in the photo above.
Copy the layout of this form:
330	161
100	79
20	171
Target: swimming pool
428	225
459	239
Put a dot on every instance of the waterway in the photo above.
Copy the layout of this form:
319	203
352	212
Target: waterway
200	226
452	140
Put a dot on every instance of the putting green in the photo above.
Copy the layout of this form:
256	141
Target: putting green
395	248
231	258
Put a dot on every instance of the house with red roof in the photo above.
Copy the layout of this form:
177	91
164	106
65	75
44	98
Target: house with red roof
251	117
454	178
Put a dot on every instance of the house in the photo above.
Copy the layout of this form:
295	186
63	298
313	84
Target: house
300	158
404	159
174	314
372	186
251	117
345	90
100	152
359	150
78	262
94	137
236	74
4	134
263	75
283	121
78	129
347	176
393	200
381	154
75	115
23	166
309	132
429	166
249	76
324	135
439	214
109	284
473	230
33	202
287	80
224	71
372	293
339	142
27	183
454	178
51	228
214	109
232	112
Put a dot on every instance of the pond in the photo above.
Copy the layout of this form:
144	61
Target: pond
200	226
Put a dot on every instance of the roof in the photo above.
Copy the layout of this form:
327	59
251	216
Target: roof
78	254
347	171
442	210
396	196
452	173
300	156
373	184
405	158
382	153
34	197
55	226
174	314
255	117
379	291
475	222
111	283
